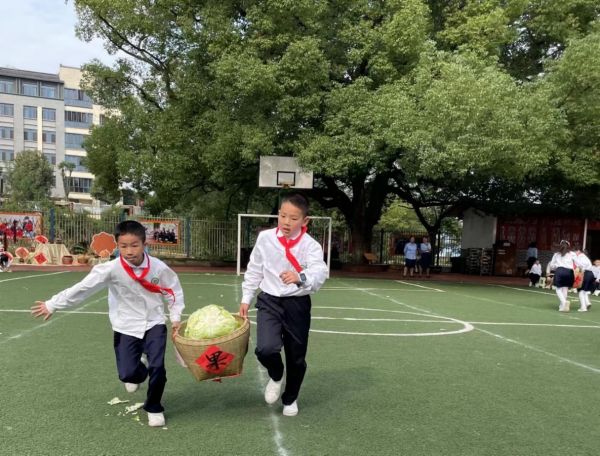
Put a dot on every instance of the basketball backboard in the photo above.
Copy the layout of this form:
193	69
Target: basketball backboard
283	172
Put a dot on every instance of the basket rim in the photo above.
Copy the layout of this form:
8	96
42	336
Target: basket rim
232	335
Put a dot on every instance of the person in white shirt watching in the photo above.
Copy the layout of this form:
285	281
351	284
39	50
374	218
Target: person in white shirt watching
138	288
596	271
287	265
535	273
562	264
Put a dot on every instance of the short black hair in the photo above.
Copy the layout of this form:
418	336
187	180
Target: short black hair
131	227
298	200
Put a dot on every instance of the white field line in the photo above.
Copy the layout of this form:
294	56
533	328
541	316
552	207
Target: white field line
547	293
412	290
277	434
420	286
508	304
322	289
531	347
549	325
539	350
398	320
32	276
87	312
467	327
47	322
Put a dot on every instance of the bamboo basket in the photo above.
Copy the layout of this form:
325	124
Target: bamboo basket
235	343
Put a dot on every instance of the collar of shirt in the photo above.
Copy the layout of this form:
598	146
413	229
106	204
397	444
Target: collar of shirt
141	266
280	234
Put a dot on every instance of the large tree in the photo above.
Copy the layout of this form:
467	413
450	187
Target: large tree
30	178
437	102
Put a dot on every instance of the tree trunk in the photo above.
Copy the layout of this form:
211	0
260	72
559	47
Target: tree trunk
362	240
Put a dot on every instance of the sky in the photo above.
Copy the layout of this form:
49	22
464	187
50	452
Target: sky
39	35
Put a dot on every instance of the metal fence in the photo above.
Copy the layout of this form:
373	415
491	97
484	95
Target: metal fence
388	246
210	240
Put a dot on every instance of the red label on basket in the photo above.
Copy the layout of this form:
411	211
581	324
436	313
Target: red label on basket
214	360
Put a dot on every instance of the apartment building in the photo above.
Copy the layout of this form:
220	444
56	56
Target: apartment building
49	113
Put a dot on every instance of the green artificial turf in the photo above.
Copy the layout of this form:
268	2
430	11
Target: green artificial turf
416	368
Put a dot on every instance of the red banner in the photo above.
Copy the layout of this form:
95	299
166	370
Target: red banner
547	232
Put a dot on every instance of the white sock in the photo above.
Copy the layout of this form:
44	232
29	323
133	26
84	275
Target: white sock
583	300
561	296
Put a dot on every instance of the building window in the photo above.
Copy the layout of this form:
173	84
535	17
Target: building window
7	86
51	158
49	91
30	89
79	117
81	185
30	135
74	141
6	155
102	119
78	162
29	112
49	114
7	110
7	133
76	94
49	137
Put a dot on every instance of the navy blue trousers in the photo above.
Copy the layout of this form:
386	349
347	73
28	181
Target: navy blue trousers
129	349
283	322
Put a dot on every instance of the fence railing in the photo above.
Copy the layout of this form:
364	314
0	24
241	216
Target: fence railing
210	240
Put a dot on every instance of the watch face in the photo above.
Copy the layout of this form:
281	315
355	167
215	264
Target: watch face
303	277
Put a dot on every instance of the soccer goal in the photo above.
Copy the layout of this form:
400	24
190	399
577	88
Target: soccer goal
249	225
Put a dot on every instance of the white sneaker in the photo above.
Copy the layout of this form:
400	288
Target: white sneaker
582	309
597	293
291	410
131	387
156	419
565	307
273	391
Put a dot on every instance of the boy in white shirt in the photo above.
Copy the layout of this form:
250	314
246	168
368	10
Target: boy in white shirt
287	265
137	286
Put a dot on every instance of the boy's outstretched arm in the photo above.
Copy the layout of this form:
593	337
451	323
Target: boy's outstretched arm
40	310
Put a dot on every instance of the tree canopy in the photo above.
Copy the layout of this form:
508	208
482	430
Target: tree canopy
443	103
30	178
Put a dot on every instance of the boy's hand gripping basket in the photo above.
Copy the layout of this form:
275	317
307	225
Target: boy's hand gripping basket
215	358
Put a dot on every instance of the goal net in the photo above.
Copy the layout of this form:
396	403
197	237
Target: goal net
249	225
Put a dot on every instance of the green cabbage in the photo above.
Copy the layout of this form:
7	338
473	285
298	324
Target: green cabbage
210	322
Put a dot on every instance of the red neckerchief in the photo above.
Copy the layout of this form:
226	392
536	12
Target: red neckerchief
288	244
143	282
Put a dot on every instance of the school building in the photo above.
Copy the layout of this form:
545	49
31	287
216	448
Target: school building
49	113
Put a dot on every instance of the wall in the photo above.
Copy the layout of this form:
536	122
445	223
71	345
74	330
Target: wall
479	230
